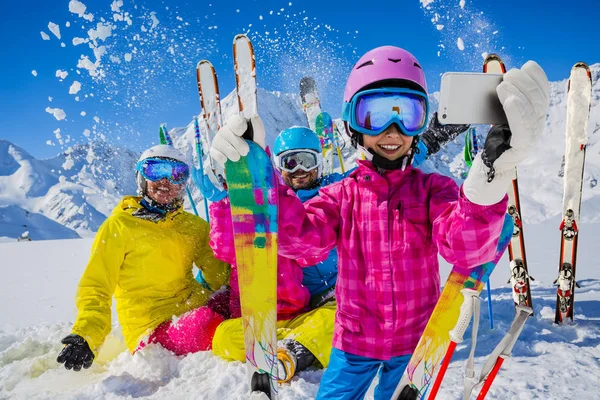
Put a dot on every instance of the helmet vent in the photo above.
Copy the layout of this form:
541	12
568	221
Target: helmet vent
395	60
370	62
417	65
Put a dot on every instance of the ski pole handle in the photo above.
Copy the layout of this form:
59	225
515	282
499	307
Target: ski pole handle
464	318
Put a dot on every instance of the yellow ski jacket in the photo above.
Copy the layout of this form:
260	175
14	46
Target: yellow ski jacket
147	266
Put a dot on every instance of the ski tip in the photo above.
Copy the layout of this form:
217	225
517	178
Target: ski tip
581	64
494	64
493	56
306	80
204	62
241	36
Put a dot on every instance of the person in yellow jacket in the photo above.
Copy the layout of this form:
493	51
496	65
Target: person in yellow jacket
143	254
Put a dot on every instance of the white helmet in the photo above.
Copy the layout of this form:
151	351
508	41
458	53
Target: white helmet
161	151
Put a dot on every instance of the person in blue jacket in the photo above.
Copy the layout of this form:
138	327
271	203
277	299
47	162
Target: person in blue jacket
298	157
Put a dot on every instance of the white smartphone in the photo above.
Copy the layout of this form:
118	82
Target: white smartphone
470	98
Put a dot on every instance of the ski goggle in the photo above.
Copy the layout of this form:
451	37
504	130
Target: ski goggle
155	169
293	160
372	111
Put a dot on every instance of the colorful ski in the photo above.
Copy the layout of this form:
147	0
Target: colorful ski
578	111
519	274
310	100
446	326
324	130
253	196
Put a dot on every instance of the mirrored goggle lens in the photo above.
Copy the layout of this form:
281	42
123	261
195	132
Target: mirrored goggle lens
157	169
293	161
374	111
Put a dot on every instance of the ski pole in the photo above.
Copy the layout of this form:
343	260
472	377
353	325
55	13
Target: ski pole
502	351
469	306
199	152
165	138
489	291
339	152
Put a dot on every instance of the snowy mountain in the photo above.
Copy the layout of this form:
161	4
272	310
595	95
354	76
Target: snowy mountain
78	188
67	196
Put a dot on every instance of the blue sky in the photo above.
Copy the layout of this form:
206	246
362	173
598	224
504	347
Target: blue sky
292	39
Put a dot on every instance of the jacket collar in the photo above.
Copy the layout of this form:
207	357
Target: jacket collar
133	205
367	173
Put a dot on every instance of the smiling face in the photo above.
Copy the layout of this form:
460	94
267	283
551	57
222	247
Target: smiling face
163	191
300	179
390	144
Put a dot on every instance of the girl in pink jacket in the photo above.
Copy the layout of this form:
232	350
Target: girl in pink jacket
389	220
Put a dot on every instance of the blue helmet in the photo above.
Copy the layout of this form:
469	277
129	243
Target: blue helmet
296	138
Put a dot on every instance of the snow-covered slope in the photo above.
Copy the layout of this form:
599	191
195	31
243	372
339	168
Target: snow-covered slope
37	309
79	188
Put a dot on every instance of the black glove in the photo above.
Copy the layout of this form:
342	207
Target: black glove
76	353
219	302
436	135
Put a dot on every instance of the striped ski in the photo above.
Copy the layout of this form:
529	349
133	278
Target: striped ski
324	130
578	110
447	324
253	195
519	273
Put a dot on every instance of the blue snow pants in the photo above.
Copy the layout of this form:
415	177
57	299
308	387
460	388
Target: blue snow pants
349	376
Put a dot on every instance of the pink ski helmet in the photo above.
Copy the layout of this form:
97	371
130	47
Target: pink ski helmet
383	64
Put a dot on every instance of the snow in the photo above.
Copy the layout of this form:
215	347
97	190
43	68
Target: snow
85	63
77	41
77	7
61	74
75	88
127	57
30	336
44	35
460	44
102	31
55	29
116	5
34	72
58	113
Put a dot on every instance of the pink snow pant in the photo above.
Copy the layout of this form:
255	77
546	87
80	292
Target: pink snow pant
190	333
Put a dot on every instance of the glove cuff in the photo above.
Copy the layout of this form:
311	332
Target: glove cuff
485	186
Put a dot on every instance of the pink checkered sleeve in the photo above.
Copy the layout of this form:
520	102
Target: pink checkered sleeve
465	233
307	230
221	231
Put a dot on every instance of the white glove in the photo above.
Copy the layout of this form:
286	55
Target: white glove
229	144
524	94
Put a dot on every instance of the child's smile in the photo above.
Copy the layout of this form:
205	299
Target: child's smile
390	144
